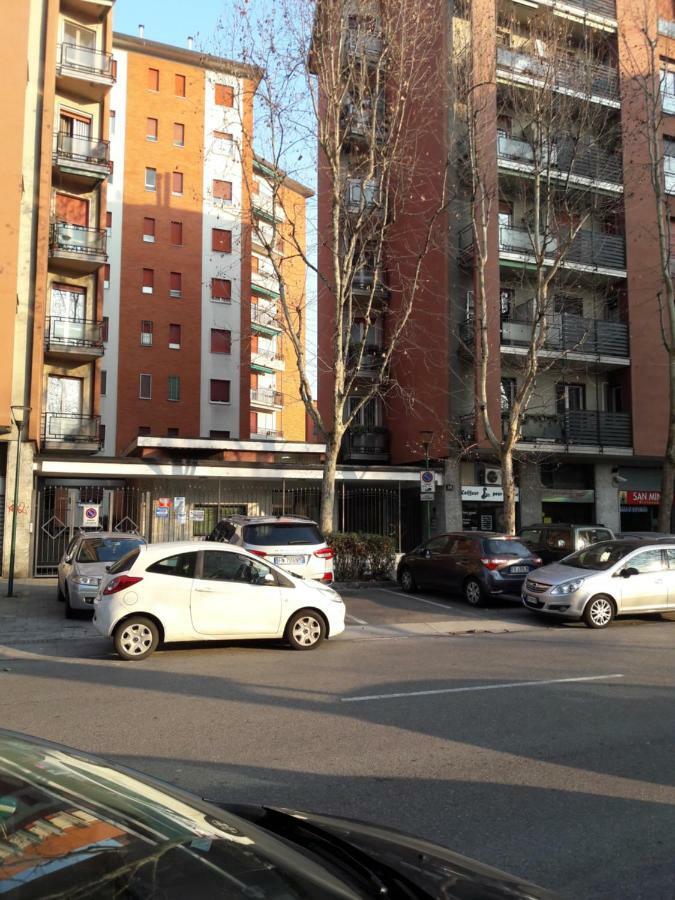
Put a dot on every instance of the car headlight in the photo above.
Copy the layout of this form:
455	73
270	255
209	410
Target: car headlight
568	587
86	580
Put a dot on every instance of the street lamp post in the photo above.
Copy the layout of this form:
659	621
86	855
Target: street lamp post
426	437
20	415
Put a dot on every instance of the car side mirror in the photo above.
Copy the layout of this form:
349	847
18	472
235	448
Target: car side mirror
269	579
628	572
68	559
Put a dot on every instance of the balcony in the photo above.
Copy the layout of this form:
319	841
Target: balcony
359	129
371	361
75	339
604	8
587	165
264	207
84	160
366	444
368	282
268	360
667	28
83	71
264	319
583	427
71	431
363	196
597	83
362	46
77	249
95	10
269	399
265	280
267	435
575	335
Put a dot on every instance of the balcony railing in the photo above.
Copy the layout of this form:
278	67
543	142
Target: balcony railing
578	76
73	333
86	242
266	356
86	61
571	332
91	151
362	195
589	248
606	8
363	44
266	317
565	155
371	360
667	28
582	427
71	428
366	280
266	434
366	444
267	397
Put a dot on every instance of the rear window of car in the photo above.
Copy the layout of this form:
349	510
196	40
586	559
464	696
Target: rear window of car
124	564
282	534
103	550
588	536
531	534
505	547
181	566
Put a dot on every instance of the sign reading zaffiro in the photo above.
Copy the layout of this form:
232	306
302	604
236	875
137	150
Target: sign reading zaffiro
640	498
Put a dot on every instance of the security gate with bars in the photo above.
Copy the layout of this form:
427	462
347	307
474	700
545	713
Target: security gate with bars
189	510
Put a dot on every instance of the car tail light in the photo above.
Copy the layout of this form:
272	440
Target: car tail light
492	564
325	553
258	552
120	583
537	561
327	578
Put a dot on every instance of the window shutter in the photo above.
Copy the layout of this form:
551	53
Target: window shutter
153	79
221	241
148	280
176	284
174	336
221	289
224	95
222	190
178	134
149	229
177	182
179	85
177	233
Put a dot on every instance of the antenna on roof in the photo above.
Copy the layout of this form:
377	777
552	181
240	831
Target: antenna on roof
141	31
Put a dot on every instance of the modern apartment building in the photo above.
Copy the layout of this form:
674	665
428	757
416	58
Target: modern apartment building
596	427
192	329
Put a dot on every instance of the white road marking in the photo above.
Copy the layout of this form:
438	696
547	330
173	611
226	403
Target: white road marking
418	599
478	687
354	621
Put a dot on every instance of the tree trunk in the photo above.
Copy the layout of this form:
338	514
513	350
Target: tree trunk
509	489
327	521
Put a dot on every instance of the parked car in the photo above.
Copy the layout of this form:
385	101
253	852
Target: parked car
183	591
293	542
553	542
605	580
479	564
84	564
74	825
644	535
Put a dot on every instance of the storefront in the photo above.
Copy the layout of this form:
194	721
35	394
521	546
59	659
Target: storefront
571	506
639	510
483	507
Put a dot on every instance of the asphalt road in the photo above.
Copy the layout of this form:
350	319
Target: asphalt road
496	744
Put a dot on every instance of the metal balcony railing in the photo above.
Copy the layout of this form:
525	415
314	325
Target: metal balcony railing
578	75
362	195
565	155
267	356
589	248
580	426
606	8
363	44
64	332
266	434
72	428
267	317
267	397
88	150
366	444
86	61
88	242
371	359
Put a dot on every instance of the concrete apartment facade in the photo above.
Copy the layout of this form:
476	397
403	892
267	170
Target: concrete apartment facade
592	443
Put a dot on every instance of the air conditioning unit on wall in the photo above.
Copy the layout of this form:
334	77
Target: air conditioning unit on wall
490	475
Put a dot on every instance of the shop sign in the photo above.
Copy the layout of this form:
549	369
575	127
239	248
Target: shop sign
640	498
484	493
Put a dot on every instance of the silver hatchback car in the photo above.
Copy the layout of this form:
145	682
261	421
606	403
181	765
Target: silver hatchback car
83	565
605	580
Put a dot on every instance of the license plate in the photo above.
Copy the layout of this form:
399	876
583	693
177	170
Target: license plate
519	570
289	560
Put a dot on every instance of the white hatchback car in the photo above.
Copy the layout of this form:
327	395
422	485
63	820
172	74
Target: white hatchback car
182	591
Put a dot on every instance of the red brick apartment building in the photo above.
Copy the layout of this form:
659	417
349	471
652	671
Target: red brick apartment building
592	450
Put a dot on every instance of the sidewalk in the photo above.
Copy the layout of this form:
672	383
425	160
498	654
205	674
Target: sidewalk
34	615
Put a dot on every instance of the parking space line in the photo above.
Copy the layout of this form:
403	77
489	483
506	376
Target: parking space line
414	597
354	621
478	687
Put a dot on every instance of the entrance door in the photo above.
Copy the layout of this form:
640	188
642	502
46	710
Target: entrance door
73	210
75	134
67	302
79	45
570	397
64	407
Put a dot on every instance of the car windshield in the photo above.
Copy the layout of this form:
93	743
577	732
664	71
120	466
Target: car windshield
103	550
72	826
282	534
505	547
599	556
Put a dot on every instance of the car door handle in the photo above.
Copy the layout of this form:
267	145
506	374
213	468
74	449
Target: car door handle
206	590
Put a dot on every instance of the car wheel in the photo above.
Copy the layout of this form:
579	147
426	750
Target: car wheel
60	596
305	630
136	638
408	582
473	592
599	612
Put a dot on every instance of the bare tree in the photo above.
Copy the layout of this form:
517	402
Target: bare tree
349	83
544	213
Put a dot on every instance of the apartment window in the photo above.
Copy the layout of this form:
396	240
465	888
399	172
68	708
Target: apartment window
177	233
153	79
106	276
146	333
149	230
219	435
255	187
143	430
221	289
173	432
221	240
176	284
174	337
221	340
148	281
179	85
104	329
219	391
108	222
145	388
222	190
101	434
179	134
176	182
255	264
111	123
111	171
174	387
569	397
508	393
224	95
151	129
104	382
151	179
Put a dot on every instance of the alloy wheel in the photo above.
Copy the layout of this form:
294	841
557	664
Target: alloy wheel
306	631
136	639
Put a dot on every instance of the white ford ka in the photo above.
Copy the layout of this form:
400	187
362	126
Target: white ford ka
183	591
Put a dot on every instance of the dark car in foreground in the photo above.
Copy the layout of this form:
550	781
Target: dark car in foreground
72	825
477	564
